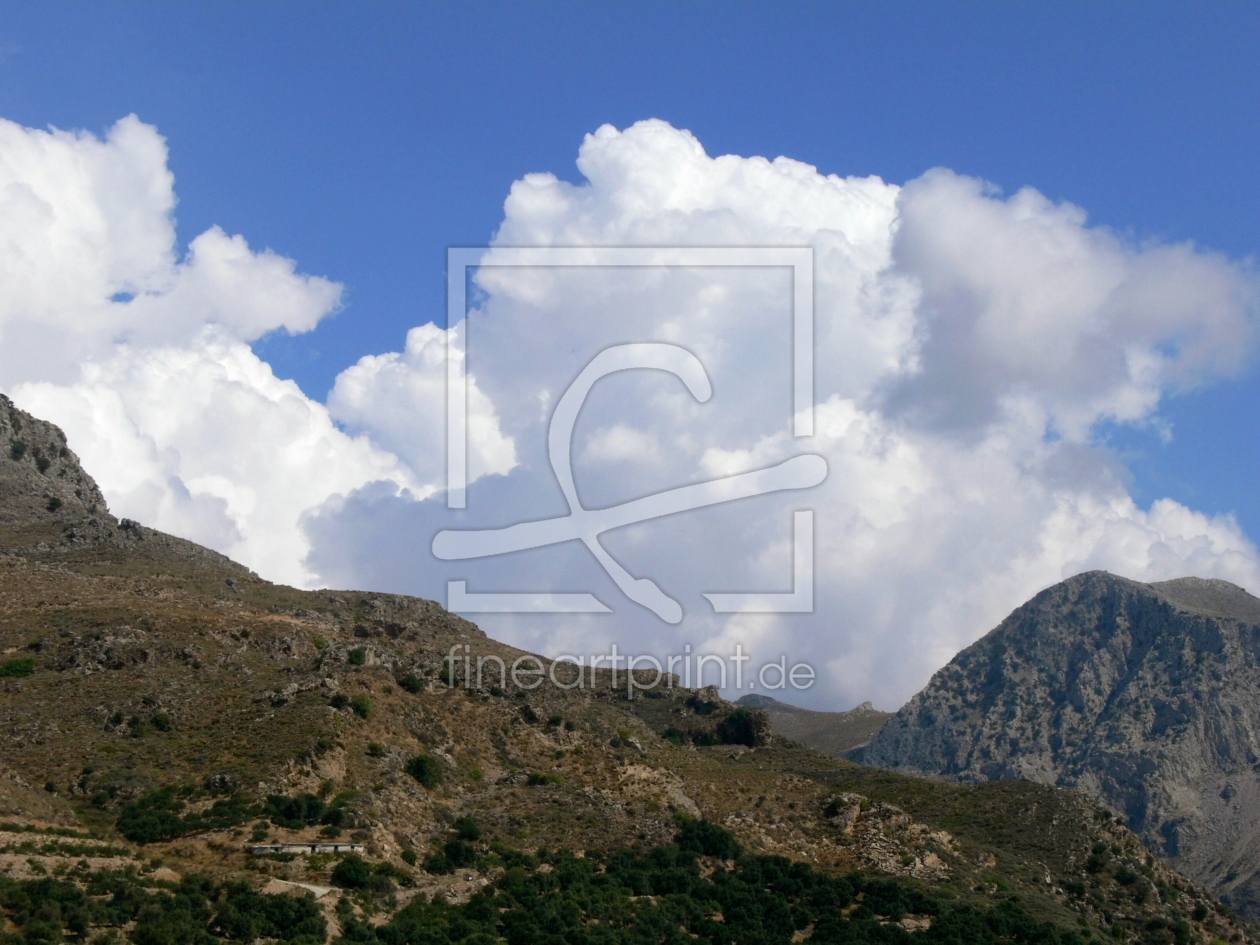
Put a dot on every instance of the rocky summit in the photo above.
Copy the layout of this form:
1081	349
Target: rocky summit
1144	696
191	754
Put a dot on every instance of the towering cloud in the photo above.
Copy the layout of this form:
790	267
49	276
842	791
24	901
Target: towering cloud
142	357
967	347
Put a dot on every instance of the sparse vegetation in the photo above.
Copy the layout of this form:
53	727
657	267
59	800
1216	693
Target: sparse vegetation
18	668
425	769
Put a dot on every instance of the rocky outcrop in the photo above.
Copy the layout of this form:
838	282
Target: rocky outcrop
49	503
1142	695
41	480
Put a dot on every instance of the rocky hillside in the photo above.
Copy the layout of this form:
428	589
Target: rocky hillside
163	711
834	733
1144	696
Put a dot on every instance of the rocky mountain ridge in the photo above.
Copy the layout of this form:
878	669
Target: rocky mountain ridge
1141	695
162	709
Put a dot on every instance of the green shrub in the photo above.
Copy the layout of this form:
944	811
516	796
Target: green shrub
320	643
361	705
375	750
162	721
353	872
540	778
739	728
467	829
294	813
425	769
53	504
17	449
437	863
412	683
18	668
357	656
459	853
706	839
409	857
339	701
153	818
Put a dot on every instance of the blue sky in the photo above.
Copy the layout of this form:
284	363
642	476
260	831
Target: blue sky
362	140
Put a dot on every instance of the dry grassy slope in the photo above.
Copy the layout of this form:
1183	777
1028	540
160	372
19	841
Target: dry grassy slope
128	624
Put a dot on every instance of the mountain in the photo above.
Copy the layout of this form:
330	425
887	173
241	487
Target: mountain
1143	696
834	733
166	716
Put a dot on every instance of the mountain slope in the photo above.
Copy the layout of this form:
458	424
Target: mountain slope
1143	696
831	732
161	706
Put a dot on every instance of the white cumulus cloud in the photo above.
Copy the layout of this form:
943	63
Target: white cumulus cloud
967	346
141	356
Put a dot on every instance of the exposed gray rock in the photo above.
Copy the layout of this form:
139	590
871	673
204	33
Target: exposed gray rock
50	505
1146	696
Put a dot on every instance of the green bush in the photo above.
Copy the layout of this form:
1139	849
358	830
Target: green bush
353	872
162	721
412	683
294	813
739	728
153	818
425	769
339	701
361	705
459	853
540	778
467	829
18	668
706	839
158	816
357	656
375	750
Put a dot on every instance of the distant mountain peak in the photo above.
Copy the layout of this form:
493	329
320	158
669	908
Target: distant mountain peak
1142	695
